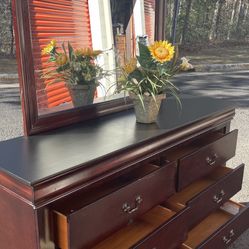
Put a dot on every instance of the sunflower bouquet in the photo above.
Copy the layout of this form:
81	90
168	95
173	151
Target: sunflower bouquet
74	66
149	73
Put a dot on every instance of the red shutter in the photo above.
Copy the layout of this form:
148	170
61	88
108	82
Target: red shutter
62	20
149	12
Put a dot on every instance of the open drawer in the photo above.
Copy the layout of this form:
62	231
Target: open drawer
90	215
159	228
208	193
200	156
219	229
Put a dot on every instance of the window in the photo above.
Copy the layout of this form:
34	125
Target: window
54	20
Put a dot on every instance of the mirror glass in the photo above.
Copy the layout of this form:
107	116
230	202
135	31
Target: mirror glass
110	26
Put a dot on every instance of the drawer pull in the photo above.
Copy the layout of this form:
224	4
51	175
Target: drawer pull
212	160
228	239
128	209
219	197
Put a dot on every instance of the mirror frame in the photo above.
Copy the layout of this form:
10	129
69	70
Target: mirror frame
32	122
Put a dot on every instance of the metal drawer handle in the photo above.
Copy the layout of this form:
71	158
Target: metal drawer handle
212	160
128	209
219	197
228	239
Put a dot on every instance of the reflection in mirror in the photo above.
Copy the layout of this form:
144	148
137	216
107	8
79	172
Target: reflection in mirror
112	26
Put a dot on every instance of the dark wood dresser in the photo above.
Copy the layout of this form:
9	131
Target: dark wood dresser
113	183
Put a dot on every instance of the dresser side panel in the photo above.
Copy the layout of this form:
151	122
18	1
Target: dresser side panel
17	223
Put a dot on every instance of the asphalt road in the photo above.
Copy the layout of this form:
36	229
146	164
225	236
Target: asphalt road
10	112
233	86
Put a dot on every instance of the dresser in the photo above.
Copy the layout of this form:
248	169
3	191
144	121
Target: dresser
112	183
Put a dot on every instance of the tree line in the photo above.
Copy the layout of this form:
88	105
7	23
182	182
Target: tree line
208	21
198	22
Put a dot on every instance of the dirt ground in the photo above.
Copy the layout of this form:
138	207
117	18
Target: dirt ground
219	55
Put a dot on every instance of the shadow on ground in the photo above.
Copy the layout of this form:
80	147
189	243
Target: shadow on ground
231	86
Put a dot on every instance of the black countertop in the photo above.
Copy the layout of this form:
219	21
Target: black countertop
32	159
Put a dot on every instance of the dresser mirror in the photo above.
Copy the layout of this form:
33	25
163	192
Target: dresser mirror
110	26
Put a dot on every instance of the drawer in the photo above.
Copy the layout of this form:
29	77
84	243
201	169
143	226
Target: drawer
207	194
88	217
219	229
159	228
203	160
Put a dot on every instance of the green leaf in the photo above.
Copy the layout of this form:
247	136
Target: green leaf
153	85
63	68
172	90
64	49
145	59
136	74
52	59
71	52
173	86
141	100
178	100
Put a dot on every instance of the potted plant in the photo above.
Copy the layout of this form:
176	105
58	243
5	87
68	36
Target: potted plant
147	79
77	67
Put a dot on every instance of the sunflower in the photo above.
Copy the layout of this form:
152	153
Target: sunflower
48	49
162	51
130	66
61	60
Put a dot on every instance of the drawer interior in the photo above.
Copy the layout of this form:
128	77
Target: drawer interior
211	224
179	200
189	147
110	205
89	195
139	229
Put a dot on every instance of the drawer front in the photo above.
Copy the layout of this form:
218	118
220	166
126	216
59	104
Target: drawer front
203	161
169	235
97	220
229	232
213	197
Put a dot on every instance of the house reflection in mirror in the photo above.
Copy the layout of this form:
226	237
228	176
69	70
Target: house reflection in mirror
112	26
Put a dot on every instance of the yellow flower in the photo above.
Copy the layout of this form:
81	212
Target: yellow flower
61	60
162	51
53	43
96	52
87	52
121	78
49	47
79	52
130	66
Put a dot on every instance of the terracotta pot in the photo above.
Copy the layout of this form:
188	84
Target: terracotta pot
148	113
82	94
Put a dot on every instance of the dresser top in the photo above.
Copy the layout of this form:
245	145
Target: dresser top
36	158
